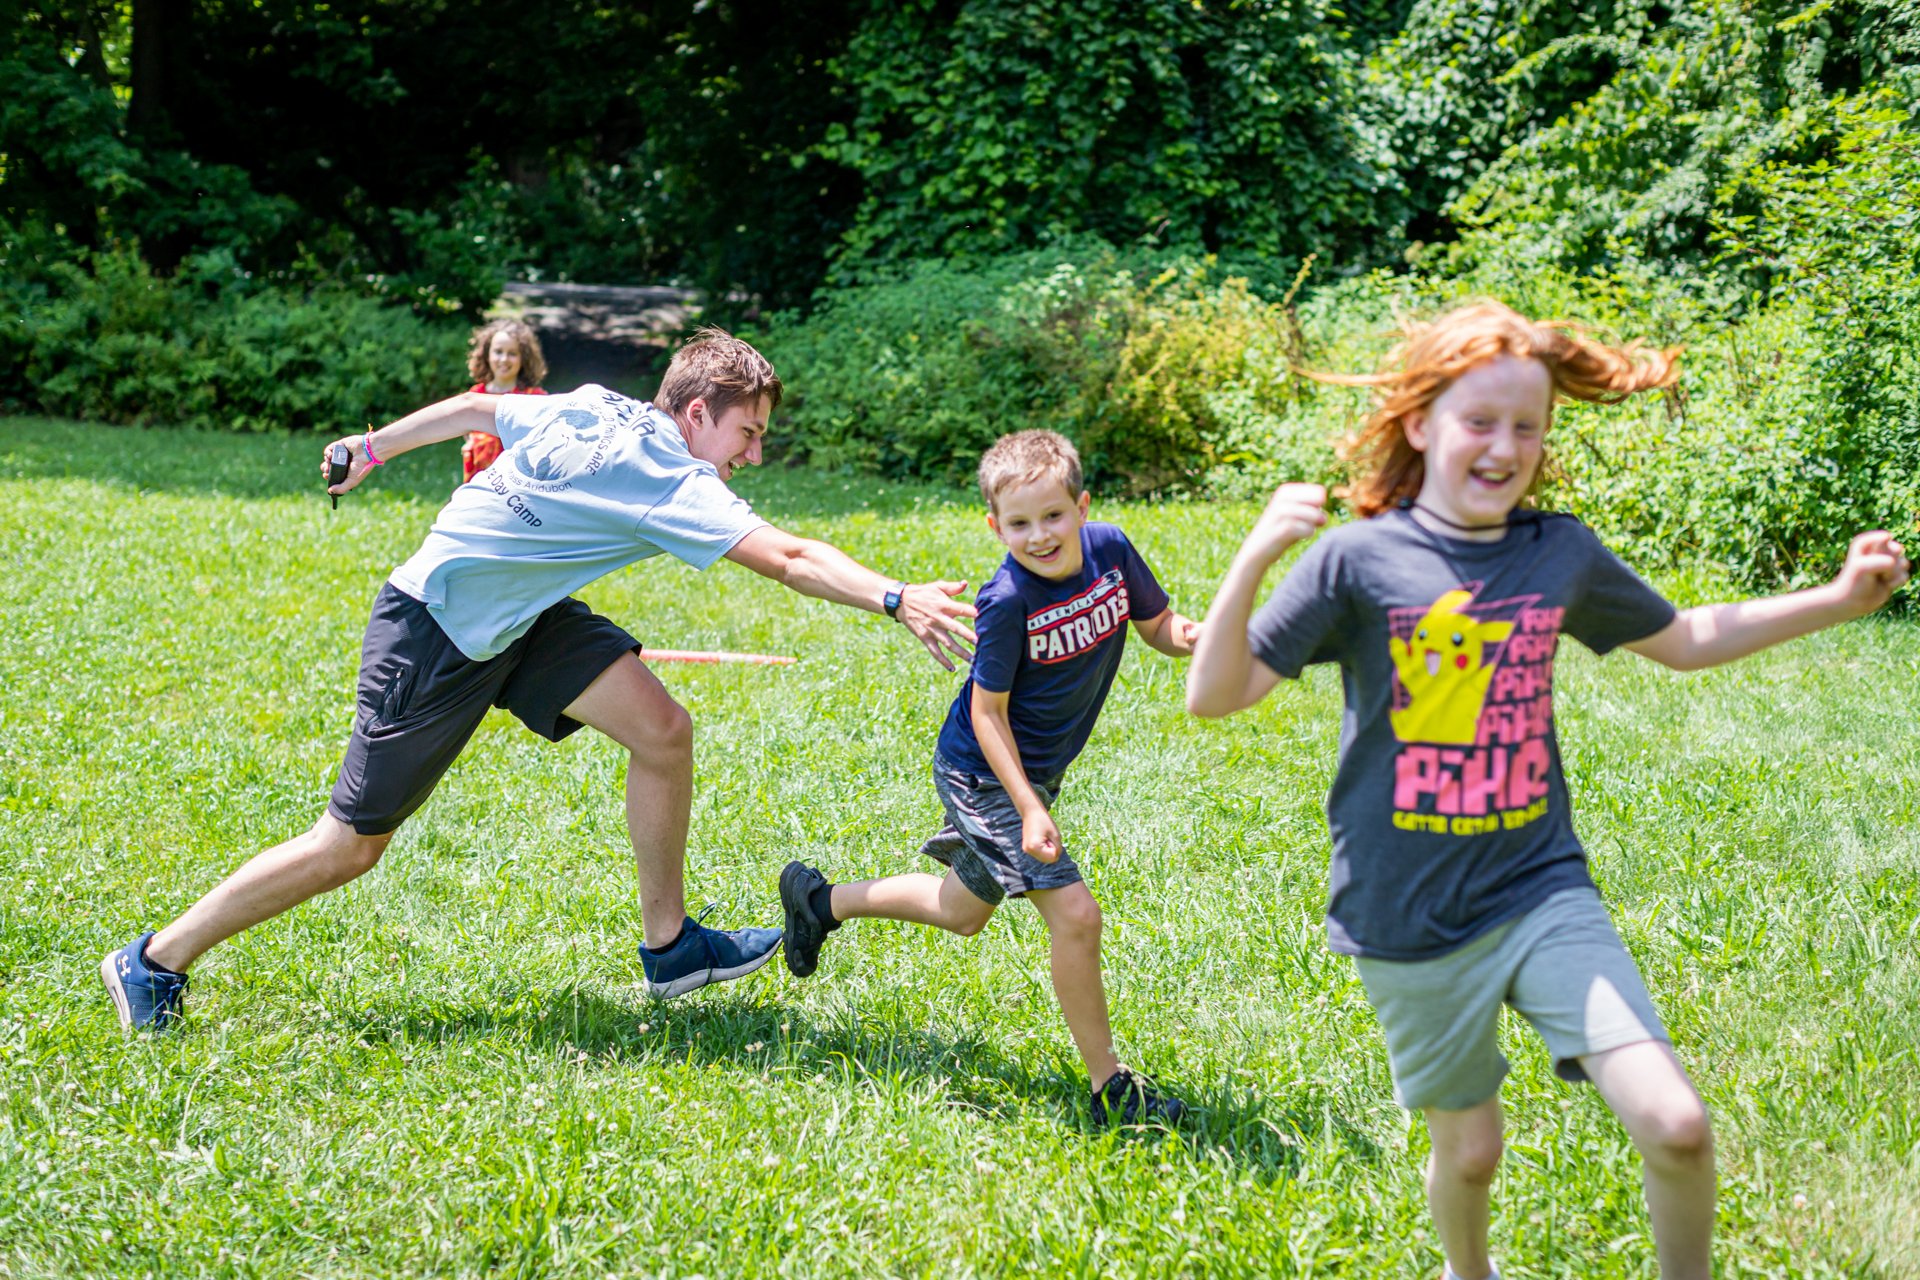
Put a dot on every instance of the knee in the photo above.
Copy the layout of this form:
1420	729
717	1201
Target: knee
967	926
1474	1159
1078	921
347	855
667	738
1678	1137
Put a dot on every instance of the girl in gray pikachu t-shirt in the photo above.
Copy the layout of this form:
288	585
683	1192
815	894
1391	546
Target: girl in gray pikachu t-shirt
1457	881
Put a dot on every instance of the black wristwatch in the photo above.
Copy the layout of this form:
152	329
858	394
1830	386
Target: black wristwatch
891	601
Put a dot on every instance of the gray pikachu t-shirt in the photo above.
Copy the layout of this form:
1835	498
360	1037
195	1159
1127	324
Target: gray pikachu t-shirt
1449	810
589	482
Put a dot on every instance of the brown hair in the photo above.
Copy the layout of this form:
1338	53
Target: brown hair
533	364
1026	456
1419	370
719	368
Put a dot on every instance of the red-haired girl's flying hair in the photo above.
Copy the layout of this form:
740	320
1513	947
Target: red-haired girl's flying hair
1386	468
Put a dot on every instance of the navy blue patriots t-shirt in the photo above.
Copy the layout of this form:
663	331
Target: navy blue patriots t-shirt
1054	648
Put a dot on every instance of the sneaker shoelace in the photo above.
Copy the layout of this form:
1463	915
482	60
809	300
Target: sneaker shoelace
706	934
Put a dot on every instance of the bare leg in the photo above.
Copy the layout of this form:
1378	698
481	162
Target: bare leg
1073	927
279	879
1648	1089
628	703
1466	1155
917	898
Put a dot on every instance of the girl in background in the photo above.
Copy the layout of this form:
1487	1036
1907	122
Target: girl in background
505	357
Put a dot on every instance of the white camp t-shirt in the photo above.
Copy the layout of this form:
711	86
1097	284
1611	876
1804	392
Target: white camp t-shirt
589	482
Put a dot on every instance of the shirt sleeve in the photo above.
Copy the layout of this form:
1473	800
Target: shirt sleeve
1001	626
514	416
1145	596
1305	620
699	520
1614	605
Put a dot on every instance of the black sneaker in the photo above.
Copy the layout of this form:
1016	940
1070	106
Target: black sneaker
1130	1098
805	930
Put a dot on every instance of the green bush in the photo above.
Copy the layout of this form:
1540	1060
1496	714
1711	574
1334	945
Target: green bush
915	375
1798	421
1168	376
112	341
1796	424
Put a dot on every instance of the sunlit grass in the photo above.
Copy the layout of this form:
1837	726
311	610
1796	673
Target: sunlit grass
447	1068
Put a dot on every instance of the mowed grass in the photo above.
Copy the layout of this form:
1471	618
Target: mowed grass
448	1067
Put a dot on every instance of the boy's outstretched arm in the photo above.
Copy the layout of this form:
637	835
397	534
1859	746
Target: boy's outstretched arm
1225	676
994	732
1708	635
447	419
1170	633
825	572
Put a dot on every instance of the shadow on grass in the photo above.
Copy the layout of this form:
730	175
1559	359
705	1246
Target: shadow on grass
1266	1136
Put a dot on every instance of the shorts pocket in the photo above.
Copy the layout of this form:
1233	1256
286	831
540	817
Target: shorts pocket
396	690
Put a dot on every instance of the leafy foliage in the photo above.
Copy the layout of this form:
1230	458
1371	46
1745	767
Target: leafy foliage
757	149
1842	232
1085	215
108	339
1640	169
999	124
1166	375
1461	80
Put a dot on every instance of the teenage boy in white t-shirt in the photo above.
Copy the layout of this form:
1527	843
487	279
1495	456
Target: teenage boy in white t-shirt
482	616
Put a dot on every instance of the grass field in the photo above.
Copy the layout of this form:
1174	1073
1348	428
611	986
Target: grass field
448	1068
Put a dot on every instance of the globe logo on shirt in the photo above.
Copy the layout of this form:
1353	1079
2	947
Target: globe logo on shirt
569	442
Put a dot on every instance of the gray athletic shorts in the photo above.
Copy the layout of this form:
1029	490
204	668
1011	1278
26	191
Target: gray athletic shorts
1561	965
981	840
420	699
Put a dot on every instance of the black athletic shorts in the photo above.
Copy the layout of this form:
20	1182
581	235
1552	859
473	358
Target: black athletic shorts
981	840
421	699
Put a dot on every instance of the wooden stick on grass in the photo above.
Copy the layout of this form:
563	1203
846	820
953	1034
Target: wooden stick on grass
691	655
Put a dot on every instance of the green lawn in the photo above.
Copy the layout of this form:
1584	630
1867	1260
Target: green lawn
448	1068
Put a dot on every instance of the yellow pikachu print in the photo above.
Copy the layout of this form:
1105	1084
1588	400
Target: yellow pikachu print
1445	671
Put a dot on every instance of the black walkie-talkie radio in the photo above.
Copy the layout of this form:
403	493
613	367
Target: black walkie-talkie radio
339	459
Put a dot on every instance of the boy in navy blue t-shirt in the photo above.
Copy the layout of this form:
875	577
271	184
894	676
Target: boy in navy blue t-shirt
1052	626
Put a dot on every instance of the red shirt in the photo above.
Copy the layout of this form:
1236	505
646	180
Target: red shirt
481	448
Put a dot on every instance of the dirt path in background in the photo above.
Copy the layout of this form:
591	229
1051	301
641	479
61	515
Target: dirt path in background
615	335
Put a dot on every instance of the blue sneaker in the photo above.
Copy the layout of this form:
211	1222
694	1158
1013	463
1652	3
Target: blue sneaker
700	956
147	999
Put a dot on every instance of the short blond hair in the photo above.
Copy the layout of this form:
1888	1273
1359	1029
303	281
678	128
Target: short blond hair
721	369
1027	456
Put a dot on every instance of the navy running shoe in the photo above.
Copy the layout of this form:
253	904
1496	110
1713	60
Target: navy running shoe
805	930
145	997
1130	1098
700	956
